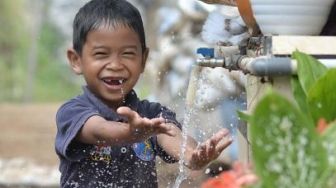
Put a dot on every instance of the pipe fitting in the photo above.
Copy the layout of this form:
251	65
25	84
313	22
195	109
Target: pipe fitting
267	66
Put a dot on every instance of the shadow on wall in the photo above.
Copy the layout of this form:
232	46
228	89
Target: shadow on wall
330	27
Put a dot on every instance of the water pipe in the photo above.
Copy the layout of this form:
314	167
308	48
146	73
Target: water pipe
258	66
267	66
274	66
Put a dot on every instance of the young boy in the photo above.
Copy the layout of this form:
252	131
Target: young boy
107	137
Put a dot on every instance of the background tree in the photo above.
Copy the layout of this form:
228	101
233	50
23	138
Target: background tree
13	41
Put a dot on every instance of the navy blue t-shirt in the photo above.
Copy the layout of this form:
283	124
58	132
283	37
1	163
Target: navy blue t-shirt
84	165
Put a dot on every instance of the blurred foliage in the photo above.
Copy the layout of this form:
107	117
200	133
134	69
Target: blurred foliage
51	79
52	76
13	41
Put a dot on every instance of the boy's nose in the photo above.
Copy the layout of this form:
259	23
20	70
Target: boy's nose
114	64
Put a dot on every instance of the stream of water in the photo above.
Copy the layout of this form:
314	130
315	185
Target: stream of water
183	171
189	111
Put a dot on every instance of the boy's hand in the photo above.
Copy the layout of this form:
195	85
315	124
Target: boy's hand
209	150
142	128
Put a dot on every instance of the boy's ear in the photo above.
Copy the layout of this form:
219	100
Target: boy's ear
74	60
144	58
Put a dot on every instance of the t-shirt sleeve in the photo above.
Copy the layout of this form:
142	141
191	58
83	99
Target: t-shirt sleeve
69	120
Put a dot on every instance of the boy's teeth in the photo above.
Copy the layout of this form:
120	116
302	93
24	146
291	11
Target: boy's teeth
114	81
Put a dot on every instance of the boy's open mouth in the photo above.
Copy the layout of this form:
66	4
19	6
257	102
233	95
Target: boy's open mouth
113	81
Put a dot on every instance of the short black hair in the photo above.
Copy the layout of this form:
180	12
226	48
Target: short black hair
96	13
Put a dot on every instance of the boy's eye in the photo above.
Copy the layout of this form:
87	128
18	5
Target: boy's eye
100	54
129	53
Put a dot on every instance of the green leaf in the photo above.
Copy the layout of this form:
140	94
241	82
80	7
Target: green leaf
287	151
327	179
244	116
328	139
309	70
299	95
322	97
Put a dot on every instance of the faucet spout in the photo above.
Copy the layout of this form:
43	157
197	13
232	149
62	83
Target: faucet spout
210	62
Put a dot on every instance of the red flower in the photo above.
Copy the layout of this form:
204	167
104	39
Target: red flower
226	179
235	178
321	125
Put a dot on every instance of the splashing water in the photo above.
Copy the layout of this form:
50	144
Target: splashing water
123	95
182	169
189	111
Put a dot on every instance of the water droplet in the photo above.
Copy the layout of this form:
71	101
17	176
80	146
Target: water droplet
123	149
123	96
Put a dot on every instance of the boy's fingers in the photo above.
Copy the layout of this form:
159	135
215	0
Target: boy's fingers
127	112
208	145
203	149
158	121
167	129
208	148
123	110
155	125
220	135
212	148
225	142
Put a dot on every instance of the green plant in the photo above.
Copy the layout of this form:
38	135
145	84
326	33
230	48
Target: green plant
287	150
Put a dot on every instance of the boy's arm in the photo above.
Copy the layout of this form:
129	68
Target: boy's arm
172	144
195	156
97	130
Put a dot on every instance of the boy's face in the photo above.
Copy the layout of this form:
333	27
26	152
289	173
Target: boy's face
111	62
